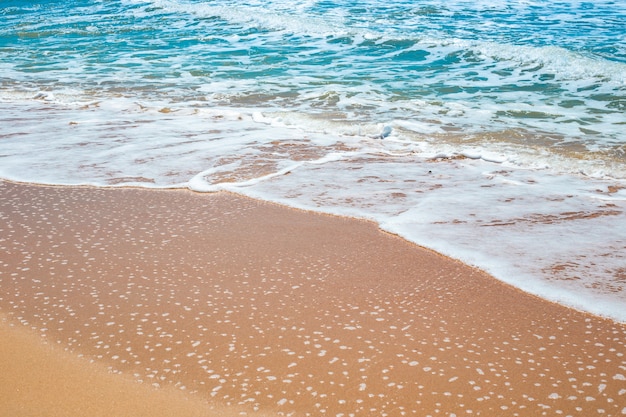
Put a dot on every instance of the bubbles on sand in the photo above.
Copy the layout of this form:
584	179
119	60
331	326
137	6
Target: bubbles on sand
244	316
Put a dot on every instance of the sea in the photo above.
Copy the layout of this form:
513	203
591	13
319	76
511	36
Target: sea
491	131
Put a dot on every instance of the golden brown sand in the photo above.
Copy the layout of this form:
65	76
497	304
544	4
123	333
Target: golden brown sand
221	304
43	380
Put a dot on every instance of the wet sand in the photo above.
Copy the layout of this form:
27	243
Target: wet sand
224	304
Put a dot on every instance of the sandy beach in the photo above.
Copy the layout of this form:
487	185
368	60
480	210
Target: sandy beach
120	301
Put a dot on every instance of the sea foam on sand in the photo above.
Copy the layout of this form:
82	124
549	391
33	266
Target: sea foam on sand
256	307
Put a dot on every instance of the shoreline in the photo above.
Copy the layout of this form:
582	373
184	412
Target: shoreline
181	188
316	312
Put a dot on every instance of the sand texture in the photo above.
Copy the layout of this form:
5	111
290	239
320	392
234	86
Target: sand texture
42	380
233	304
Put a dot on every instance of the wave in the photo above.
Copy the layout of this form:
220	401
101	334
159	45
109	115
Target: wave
251	15
560	61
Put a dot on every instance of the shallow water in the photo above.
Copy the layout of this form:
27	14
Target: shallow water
491	132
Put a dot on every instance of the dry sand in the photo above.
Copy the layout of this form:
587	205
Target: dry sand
220	304
38	379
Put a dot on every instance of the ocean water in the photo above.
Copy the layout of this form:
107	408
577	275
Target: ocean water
491	131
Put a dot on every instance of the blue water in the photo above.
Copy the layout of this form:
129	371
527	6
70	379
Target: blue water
508	114
559	68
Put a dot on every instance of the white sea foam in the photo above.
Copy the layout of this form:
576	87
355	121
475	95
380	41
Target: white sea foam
504	153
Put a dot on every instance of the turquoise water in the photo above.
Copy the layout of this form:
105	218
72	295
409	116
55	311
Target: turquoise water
492	131
557	68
